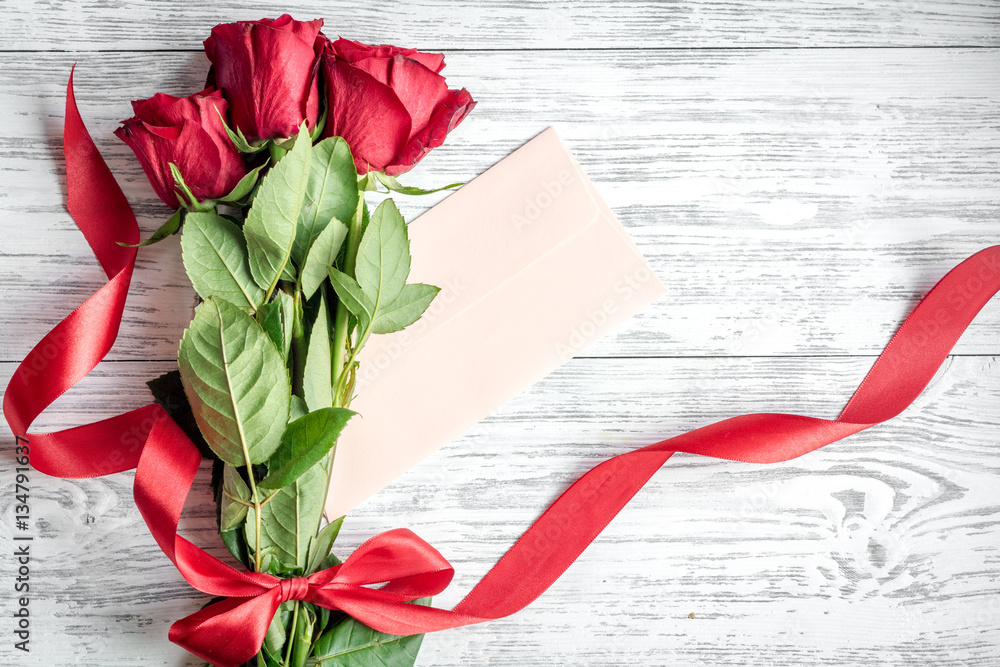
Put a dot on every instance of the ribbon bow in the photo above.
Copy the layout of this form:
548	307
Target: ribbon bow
230	632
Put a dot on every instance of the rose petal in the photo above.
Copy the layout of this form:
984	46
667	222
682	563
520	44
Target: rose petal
267	70
419	89
352	52
366	113
447	116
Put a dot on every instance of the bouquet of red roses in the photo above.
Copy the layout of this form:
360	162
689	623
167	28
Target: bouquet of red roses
267	169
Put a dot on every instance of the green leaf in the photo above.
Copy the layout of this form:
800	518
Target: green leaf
269	317
192	203
383	261
271	223
392	184
168	391
236	542
320	546
236	381
317	379
321	256
328	562
406	309
245	186
274	640
350	293
298	409
235	496
290	518
215	258
332	193
306	442
352	644
168	228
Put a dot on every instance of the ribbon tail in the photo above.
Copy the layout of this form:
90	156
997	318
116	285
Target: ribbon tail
230	632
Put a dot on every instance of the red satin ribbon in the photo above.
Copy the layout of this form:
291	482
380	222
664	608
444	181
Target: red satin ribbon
230	632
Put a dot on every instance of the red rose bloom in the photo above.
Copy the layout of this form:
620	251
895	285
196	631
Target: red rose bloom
267	70
188	132
390	104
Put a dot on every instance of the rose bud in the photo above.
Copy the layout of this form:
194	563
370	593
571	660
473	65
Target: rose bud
390	104
188	132
267	70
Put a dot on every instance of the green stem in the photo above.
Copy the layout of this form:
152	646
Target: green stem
256	513
343	315
298	346
292	633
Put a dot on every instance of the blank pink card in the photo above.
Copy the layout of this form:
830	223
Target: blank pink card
533	267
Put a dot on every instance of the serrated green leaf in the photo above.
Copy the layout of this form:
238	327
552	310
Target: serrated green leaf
235	496
320	546
306	442
383	261
352	644
332	193
406	309
271	224
321	256
317	379
350	293
168	228
236	381
245	185
290	518
215	258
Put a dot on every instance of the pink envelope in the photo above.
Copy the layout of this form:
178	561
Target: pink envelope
533	267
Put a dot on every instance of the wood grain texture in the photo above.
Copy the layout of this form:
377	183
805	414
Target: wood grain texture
521	24
882	548
797	201
794	202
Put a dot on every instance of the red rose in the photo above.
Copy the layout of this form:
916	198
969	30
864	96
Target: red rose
267	70
390	104
188	132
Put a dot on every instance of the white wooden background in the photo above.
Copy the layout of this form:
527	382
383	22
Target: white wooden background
798	173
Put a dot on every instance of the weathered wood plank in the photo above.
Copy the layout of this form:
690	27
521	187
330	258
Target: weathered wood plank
881	549
492	24
794	202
